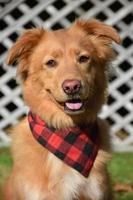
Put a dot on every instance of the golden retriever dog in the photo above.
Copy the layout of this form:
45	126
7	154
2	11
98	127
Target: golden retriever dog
64	75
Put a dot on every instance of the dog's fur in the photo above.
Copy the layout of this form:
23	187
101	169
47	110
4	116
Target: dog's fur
37	174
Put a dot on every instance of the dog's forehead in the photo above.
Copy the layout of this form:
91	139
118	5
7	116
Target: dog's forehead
63	38
68	34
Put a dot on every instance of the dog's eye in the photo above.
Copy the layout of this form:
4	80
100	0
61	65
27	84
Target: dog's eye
83	59
51	63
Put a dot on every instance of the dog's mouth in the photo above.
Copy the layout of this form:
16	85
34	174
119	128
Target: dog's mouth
74	106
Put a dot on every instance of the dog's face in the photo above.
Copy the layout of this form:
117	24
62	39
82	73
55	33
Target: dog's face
64	71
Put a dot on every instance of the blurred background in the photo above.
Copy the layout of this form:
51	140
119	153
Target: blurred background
17	15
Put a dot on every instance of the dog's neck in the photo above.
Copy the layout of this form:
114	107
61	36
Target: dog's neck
76	146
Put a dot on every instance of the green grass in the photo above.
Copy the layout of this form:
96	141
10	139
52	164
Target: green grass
5	167
120	169
5	164
124	196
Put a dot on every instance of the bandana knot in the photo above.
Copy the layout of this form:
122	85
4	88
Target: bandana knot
76	146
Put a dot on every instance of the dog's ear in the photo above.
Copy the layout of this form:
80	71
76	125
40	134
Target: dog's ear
99	29
23	48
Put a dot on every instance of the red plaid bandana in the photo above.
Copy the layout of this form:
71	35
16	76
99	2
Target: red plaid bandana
77	146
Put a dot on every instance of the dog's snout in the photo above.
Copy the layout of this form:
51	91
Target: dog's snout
71	86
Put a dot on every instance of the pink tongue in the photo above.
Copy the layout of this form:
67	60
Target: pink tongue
74	106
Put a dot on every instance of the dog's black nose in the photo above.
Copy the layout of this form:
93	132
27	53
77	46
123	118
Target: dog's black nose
71	86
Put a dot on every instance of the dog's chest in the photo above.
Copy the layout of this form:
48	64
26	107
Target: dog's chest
76	186
63	183
70	184
69	187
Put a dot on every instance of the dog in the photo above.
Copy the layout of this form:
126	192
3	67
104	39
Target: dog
64	76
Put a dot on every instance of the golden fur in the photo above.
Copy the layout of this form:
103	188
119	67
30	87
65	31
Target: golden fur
37	174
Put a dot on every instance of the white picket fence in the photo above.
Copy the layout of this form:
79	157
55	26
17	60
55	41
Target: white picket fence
16	15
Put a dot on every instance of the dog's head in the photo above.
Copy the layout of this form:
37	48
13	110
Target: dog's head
64	72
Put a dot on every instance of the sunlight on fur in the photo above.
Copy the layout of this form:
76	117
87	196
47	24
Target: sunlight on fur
64	77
